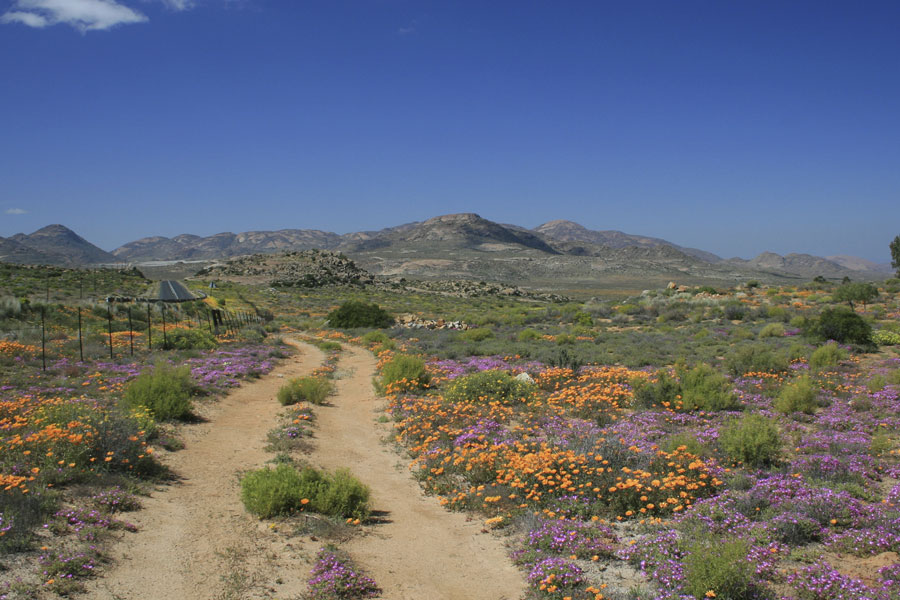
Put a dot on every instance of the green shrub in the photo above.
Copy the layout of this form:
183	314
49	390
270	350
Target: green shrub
772	330
648	394
876	383
798	396
279	491
841	325
703	388
164	390
252	334
342	495
711	564
690	443
883	337
310	389
528	335
269	492
829	355
752	440
476	335
488	386
354	313
406	371
582	318
375	337
734	311
328	346
797	351
189	339
754	358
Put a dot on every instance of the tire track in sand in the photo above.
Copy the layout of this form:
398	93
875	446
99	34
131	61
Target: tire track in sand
422	550
195	540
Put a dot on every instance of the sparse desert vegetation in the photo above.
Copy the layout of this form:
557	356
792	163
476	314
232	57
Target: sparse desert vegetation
684	441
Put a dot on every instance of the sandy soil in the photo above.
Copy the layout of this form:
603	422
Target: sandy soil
196	541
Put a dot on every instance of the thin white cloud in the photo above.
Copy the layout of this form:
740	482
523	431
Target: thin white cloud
406	30
179	5
26	18
84	15
16	211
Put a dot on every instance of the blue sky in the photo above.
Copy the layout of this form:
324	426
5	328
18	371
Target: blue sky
735	127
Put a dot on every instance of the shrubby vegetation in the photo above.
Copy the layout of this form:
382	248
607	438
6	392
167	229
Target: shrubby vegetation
164	390
404	372
283	490
305	389
352	314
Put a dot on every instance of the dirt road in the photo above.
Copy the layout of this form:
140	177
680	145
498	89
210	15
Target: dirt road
196	541
422	550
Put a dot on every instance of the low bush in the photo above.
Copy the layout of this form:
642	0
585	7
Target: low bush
654	394
270	492
528	335
829	355
883	337
488	386
721	567
309	389
477	335
772	330
353	313
252	334
798	396
752	440
189	339
328	346
404	372
375	337
164	390
754	358
704	388
342	495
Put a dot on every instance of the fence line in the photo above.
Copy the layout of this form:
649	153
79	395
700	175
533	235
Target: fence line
219	322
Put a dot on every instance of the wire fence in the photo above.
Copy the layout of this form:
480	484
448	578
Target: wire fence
115	328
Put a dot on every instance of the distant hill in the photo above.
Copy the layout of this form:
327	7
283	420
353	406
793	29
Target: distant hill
557	255
16	252
55	245
569	231
224	245
804	265
856	263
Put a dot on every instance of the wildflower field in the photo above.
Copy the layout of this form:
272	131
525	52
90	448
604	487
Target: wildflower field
73	455
770	471
686	443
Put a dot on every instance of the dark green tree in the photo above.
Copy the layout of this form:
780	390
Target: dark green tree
841	325
354	313
895	254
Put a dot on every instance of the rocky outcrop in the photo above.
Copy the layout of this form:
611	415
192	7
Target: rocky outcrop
306	269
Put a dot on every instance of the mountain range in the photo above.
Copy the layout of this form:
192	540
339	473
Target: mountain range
458	246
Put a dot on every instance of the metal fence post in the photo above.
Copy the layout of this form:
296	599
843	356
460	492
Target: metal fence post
80	337
43	341
109	329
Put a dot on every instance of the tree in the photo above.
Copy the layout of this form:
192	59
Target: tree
354	313
895	254
841	325
856	292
